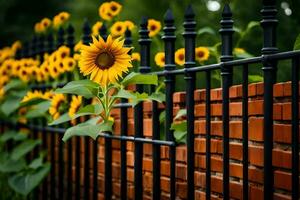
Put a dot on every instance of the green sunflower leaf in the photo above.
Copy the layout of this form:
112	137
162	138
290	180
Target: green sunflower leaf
87	129
85	88
24	183
137	78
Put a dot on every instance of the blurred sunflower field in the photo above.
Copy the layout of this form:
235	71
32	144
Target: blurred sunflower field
100	72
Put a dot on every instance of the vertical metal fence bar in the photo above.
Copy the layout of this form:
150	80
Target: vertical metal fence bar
226	32
245	131
52	173
33	46
60	37
24	50
208	136
41	47
295	128
86	39
144	42
156	191
60	185
103	31
70	43
268	24
50	43
77	167
124	130
189	36
169	39
108	169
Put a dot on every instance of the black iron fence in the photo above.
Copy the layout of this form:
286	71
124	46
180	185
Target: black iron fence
269	60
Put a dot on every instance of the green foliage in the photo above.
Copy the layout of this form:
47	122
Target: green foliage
297	43
136	78
88	129
16	175
85	88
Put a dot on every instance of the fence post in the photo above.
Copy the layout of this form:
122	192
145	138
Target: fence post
124	128
86	39
103	32
144	42
226	32
70	38
169	39
41	47
268	24
60	37
24	50
70	43
189	36
50	43
33	47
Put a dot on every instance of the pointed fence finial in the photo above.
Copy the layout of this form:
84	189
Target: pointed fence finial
103	32
144	42
70	38
60	37
128	39
189	34
226	32
169	39
86	37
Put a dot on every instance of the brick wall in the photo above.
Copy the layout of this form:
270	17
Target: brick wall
281	151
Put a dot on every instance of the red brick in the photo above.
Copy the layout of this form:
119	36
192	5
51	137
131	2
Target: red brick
259	88
199	95
287	89
256	128
216	94
255	107
282	158
235	91
179	97
199	110
216	109
235	109
278	90
252	90
282	180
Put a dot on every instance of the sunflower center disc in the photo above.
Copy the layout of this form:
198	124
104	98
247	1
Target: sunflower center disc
105	60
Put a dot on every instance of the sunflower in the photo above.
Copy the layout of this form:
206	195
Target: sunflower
114	8
36	94
160	59
129	25
154	27
69	64
2	92
202	54
104	11
63	52
75	105
238	50
60	66
41	75
96	27
4	80
136	57
46	22
21	114
104	61
118	29
54	71
180	56
60	19
16	45
24	74
56	103
38	28
78	46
